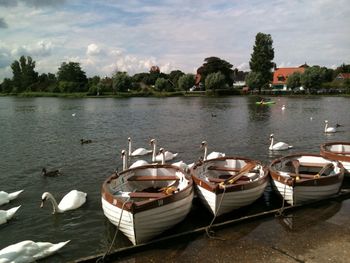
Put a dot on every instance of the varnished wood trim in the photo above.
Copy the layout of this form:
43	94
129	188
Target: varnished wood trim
333	155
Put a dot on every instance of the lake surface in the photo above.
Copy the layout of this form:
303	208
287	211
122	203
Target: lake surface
41	132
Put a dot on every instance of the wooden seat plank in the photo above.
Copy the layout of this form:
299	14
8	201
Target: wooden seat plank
223	168
153	178
146	195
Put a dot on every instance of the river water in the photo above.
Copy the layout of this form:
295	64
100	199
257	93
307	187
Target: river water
46	132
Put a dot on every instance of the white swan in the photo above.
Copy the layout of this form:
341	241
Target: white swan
329	129
212	155
158	158
138	163
6	215
138	151
125	161
283	107
73	200
6	197
29	251
182	165
280	146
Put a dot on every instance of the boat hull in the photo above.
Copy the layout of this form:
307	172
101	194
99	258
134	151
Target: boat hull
220	200
339	151
299	191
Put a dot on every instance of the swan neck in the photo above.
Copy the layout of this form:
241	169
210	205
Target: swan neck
163	157
154	152
325	128
271	144
125	164
53	201
129	147
205	152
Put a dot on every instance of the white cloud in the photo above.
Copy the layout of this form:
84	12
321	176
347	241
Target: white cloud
93	50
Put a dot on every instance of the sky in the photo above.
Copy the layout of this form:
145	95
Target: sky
106	36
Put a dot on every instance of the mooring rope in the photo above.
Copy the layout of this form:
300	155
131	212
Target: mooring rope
210	233
101	259
280	211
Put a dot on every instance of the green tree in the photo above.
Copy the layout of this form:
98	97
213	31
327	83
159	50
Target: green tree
163	84
261	58
294	80
313	77
72	73
6	86
215	81
121	82
174	78
186	82
214	65
24	75
254	80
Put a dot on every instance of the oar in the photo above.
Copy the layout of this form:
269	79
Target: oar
296	165
324	168
243	171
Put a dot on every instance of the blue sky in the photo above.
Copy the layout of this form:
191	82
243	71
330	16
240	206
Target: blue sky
106	36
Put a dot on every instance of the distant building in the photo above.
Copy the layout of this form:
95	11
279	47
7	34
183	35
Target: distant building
154	69
342	76
280	75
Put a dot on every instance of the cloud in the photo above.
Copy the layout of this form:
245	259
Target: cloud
93	50
40	49
3	23
32	3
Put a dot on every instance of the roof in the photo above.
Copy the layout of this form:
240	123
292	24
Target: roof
280	75
343	76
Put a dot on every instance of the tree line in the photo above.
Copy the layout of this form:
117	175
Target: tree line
215	74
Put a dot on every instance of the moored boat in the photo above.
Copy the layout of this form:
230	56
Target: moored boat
147	200
302	178
339	151
227	183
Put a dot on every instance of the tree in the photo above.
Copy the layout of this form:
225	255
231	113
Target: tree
72	73
214	65
313	77
6	86
121	82
185	82
163	84
24	75
254	80
174	77
294	80
261	58
215	81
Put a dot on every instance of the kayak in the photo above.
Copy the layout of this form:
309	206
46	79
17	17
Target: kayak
265	102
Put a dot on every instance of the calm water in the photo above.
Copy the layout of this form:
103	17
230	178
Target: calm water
41	132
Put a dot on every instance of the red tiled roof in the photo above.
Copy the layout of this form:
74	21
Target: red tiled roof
281	74
343	76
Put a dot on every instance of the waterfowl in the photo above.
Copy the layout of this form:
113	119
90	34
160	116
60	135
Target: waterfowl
53	173
138	151
6	215
6	197
212	155
73	200
83	141
283	107
182	165
329	129
29	251
158	158
280	146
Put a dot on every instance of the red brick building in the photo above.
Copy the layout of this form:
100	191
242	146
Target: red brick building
280	75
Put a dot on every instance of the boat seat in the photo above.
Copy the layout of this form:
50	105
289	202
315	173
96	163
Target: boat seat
308	164
219	180
223	168
153	178
146	195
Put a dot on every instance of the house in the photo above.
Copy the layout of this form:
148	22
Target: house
342	76
280	76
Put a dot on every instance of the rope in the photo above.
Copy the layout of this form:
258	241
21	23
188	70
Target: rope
280	211
210	233
101	259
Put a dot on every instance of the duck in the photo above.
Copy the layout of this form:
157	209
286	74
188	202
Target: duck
29	251
280	146
138	151
52	173
83	141
73	200
7	197
158	158
6	215
329	129
212	155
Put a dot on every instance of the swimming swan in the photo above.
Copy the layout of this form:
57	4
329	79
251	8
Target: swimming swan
168	155
280	146
6	197
212	155
29	251
73	200
6	215
329	129
138	151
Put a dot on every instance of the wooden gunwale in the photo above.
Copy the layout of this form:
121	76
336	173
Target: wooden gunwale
305	180
153	178
136	207
335	155
237	186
